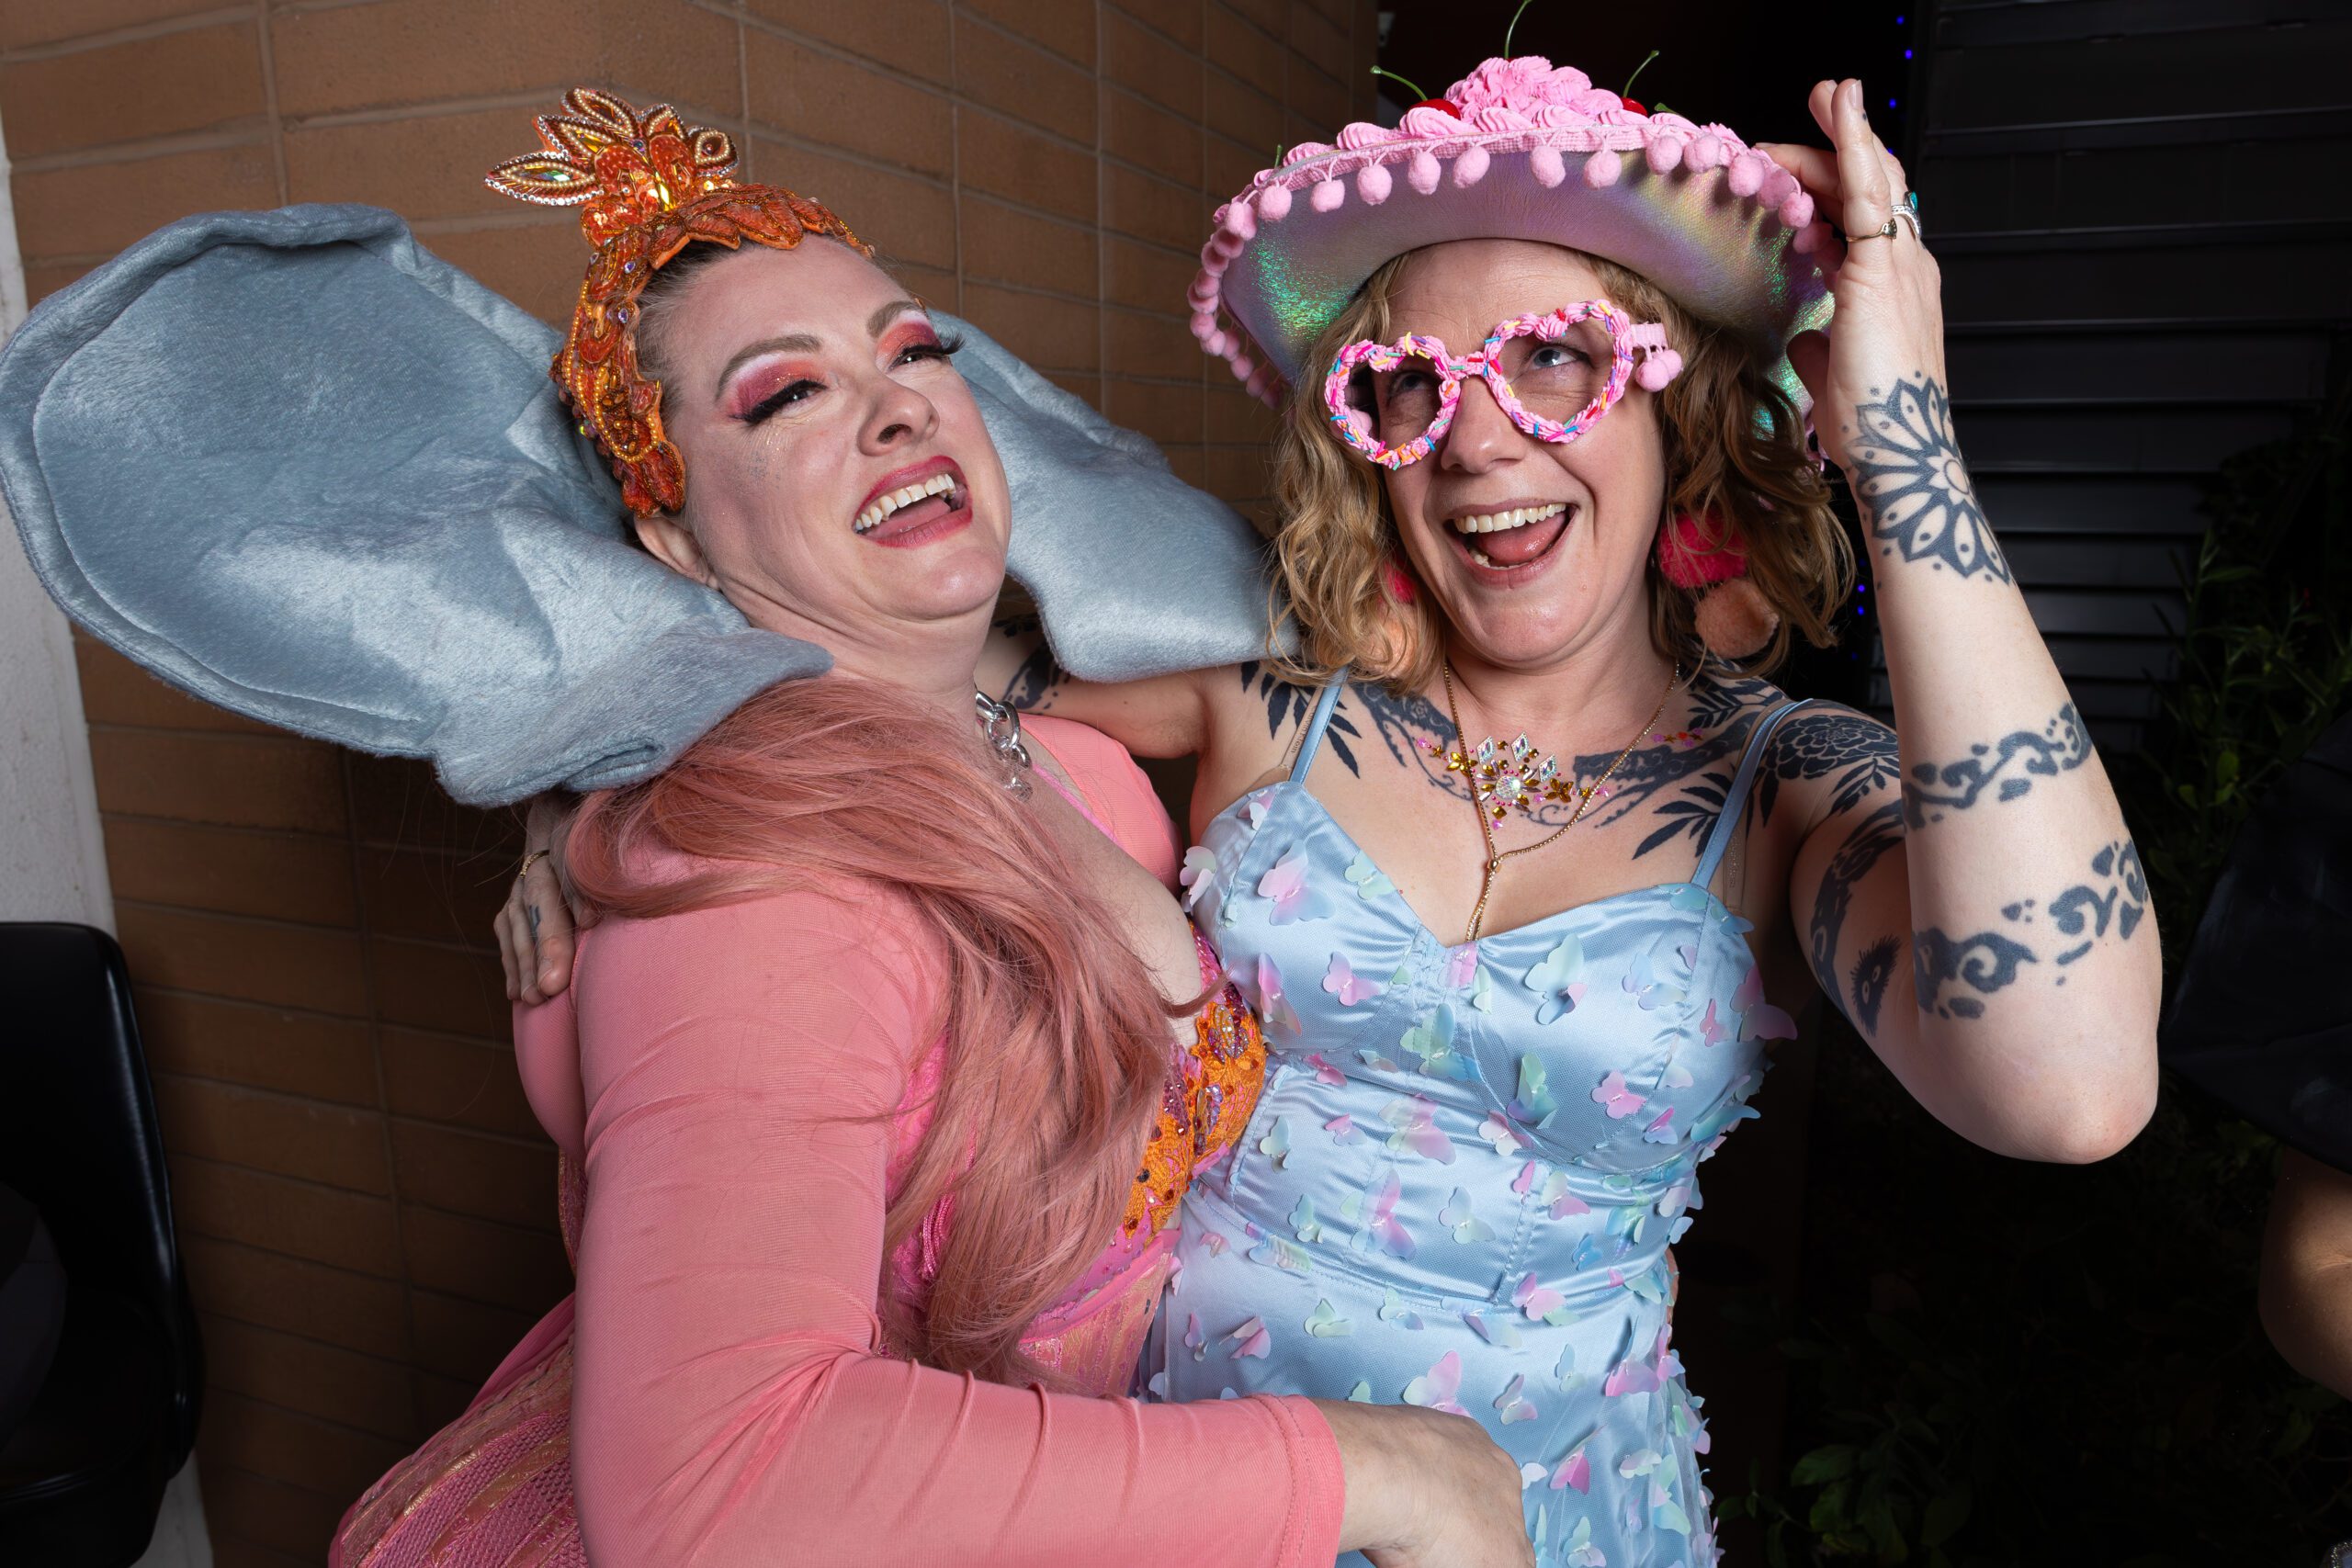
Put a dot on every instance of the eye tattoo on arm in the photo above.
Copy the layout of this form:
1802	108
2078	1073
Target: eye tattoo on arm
2011	763
2116	899
1914	491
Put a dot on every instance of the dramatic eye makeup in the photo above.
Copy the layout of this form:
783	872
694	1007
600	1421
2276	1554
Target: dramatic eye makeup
769	389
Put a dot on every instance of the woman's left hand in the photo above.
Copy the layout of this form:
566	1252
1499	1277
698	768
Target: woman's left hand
1889	324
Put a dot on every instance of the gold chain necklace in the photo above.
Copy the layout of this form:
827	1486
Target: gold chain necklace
1486	833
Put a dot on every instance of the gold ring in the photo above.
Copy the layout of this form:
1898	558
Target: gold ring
1884	231
528	861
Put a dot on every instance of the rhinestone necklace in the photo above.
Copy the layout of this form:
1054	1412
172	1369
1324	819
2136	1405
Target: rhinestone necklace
1484	776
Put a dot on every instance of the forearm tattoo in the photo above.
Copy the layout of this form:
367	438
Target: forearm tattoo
1913	490
1876	834
1947	968
1682	783
2008	767
1030	688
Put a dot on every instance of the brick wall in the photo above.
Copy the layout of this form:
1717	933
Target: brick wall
363	1199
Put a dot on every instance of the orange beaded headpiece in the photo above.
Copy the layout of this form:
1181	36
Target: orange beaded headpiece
650	186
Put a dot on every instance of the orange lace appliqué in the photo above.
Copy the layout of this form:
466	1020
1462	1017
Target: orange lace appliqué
1202	1110
650	185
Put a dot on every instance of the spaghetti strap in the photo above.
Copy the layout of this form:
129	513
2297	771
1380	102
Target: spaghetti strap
1313	741
1736	797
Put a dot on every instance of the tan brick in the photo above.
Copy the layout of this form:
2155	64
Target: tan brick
333	1145
537	264
456	1081
1270	18
251	961
1136	58
1244	48
1231	166
1318	40
1086	389
904	35
449	990
1141	132
1187	463
490	1179
1148	208
116	691
231	1203
1235	473
1049	333
905	217
97	208
191	79
1007	245
269	1291
1343	14
294	1053
287	1518
41	281
1322	97
275	875
1169	412
1234	416
435	898
394	801
440	1400
1066	26
337	1385
1147	276
465	1340
414	166
232	780
1180	19
1161	347
1019	165
284	1445
1023	82
871	110
395	53
25	23
1241	113
498	1265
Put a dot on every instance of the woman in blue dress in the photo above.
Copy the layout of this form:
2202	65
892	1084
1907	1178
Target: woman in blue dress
1513	844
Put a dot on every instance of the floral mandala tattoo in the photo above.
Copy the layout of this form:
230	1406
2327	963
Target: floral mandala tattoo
1909	477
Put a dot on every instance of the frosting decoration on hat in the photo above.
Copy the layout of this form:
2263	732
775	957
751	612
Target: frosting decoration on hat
1518	149
650	185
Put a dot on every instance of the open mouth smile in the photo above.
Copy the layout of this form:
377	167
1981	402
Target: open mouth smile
915	505
1502	543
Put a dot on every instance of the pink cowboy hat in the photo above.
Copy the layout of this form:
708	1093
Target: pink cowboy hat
1524	150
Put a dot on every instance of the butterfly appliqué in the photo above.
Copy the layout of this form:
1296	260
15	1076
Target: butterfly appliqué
1295	897
1351	987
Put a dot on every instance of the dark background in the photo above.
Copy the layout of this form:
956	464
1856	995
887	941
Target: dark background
1918	1352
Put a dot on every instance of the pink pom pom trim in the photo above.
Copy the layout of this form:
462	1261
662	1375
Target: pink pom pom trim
1273	203
1691	556
1470	168
1745	177
1603	168
1423	173
1325	195
1547	164
1373	184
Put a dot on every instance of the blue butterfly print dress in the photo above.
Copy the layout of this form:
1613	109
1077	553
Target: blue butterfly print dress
1467	1163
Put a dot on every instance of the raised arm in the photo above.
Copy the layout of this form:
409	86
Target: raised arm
1984	922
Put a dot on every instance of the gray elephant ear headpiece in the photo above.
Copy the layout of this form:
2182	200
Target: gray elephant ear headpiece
298	466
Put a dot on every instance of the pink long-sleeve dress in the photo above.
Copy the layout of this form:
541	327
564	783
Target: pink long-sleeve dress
730	1089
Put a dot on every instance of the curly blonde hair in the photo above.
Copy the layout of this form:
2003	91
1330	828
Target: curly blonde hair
1735	454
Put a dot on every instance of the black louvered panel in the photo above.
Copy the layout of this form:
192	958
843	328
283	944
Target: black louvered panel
2145	241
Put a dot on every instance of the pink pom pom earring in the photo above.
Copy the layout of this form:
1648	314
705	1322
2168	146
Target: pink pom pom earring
1734	620
1399	582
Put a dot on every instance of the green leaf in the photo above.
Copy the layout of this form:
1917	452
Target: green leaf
1833	1462
1946	1511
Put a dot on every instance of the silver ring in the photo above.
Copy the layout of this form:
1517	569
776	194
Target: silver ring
1906	215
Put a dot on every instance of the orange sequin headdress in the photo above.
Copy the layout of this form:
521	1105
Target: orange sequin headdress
651	184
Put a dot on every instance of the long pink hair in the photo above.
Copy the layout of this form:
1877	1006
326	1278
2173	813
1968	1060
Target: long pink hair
1055	1040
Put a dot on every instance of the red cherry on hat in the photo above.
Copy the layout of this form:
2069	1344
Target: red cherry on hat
1437	104
1633	106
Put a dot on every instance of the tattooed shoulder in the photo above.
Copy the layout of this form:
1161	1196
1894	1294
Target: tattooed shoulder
1853	752
1289	705
1955	974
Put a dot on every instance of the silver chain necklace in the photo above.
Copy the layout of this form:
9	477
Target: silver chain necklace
1001	726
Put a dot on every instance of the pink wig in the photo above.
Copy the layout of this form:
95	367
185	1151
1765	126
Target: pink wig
1055	1043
